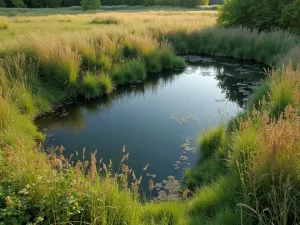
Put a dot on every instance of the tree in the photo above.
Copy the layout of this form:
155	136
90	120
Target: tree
264	15
2	3
53	3
194	3
90	4
67	3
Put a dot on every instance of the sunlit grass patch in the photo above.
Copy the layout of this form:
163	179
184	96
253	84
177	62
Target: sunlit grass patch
171	213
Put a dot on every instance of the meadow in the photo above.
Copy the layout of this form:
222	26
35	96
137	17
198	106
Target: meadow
248	172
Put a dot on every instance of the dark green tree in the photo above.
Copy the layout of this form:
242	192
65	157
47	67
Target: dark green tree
90	4
263	15
68	3
2	3
53	3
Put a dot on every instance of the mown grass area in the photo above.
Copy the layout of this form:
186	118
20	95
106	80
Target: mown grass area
247	173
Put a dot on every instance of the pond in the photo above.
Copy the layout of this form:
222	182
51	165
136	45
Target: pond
160	120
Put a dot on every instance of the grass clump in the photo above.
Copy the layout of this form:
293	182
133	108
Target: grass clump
210	142
61	65
208	200
96	85
171	213
153	63
133	70
3	24
105	20
205	173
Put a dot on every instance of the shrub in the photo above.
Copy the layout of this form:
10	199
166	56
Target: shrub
261	15
90	4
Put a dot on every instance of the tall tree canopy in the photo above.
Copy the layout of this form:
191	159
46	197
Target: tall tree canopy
261	14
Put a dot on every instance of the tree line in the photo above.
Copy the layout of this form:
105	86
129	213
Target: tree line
266	15
94	4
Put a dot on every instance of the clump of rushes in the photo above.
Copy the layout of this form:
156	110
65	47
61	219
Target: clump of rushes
3	24
61	66
131	71
135	46
105	20
166	58
211	141
94	85
178	63
153	63
104	63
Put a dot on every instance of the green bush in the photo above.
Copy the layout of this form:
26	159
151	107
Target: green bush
261	15
53	3
2	3
90	4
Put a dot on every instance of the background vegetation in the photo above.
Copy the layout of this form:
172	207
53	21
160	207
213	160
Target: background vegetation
95	4
261	15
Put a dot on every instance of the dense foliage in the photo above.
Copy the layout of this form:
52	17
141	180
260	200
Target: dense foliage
94	4
262	15
90	4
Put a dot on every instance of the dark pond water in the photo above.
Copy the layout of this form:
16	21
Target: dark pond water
159	120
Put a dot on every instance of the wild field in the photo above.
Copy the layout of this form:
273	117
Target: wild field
248	172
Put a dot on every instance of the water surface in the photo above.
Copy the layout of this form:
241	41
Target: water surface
159	120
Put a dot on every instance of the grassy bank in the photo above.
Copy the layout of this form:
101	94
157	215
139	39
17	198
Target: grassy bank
89	55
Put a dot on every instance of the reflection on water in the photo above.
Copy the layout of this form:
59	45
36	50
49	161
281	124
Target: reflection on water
158	120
